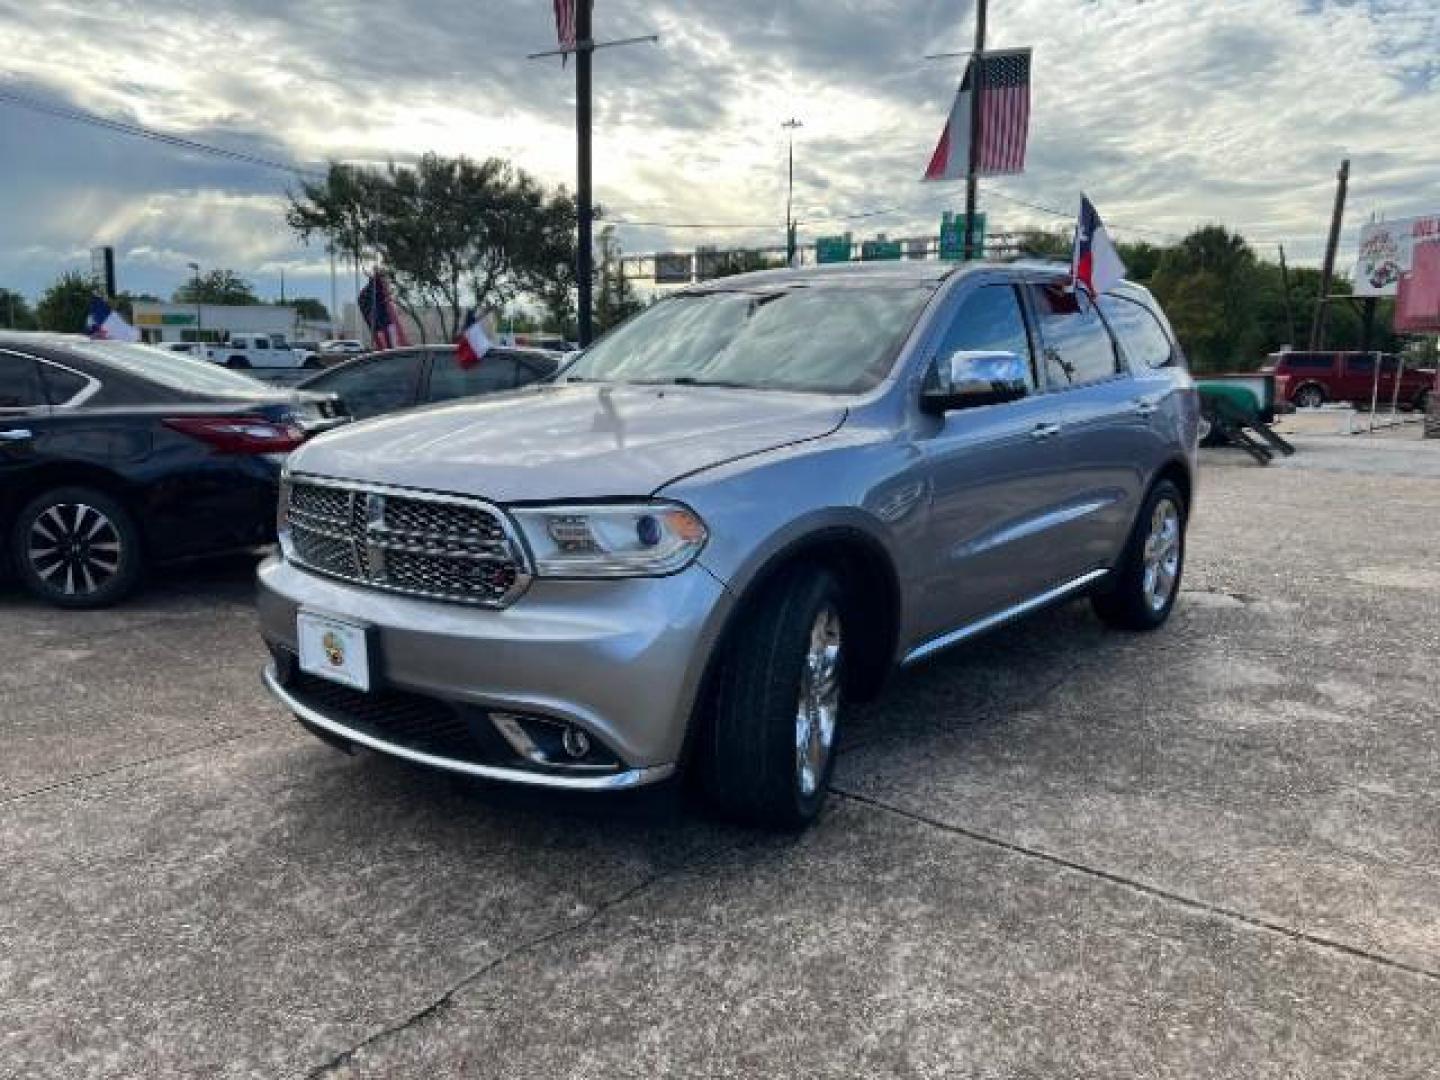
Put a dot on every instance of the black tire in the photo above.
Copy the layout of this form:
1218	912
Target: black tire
1210	433
1309	396
313	363
1125	602
237	362
749	763
101	568
1422	401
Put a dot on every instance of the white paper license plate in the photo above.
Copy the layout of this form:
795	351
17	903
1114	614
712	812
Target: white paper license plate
334	649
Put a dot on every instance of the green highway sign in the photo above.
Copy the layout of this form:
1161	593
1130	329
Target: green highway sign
952	235
832	249
879	248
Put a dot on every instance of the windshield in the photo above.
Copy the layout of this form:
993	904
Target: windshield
831	339
179	371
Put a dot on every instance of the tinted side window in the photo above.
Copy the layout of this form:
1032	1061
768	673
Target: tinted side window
61	384
448	380
1141	335
1301	362
1077	347
372	387
19	383
534	369
989	320
1360	365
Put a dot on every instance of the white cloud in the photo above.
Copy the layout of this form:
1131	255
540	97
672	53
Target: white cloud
1168	112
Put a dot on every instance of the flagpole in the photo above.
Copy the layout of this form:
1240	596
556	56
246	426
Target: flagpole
585	210
977	83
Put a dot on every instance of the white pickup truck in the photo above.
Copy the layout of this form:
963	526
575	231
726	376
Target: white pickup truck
262	351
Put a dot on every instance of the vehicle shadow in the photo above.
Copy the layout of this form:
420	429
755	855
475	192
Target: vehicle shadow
225	579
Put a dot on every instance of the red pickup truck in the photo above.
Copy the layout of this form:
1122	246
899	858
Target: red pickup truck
1310	379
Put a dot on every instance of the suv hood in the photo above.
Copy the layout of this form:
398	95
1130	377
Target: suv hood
568	441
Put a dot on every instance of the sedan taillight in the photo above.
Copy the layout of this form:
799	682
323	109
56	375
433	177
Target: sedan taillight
239	434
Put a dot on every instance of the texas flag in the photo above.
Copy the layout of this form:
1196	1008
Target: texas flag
472	344
1095	264
104	323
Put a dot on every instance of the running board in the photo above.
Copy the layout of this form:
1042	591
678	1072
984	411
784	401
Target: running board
989	622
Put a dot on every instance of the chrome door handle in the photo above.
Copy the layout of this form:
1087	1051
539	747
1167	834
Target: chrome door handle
1044	431
1145	406
16	434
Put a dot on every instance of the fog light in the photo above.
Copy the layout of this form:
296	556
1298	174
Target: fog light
576	742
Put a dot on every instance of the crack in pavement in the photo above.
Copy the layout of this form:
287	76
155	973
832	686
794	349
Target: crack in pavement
1147	889
70	781
446	999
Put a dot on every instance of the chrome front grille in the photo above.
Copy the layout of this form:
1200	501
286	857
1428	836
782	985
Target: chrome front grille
445	547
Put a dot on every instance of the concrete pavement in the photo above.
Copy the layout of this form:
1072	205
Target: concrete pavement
1063	851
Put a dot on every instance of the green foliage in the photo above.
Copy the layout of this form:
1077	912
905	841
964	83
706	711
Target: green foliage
64	305
15	313
615	299
219	286
449	231
310	309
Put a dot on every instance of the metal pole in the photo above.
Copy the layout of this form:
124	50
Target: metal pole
1327	270
977	82
1395	393
790	126
1375	390
334	293
584	256
1289	311
199	310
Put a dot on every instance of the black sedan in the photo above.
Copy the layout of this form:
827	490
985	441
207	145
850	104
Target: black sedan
114	457
395	379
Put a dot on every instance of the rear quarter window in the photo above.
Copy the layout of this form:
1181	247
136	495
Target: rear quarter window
1141	336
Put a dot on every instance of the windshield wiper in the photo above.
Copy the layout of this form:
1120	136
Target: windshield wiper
691	380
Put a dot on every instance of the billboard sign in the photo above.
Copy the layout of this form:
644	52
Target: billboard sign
673	269
952	235
1387	252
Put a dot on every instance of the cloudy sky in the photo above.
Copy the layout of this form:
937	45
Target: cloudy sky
1169	113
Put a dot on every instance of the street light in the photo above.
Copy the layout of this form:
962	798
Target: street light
199	315
790	126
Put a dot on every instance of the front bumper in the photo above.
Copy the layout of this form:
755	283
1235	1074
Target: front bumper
620	659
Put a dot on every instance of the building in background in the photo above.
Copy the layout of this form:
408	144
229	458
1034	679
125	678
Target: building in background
212	322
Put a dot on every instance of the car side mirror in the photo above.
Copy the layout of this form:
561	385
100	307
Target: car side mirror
964	380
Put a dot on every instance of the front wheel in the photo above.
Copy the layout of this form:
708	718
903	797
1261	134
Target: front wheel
76	548
769	747
1309	397
1145	584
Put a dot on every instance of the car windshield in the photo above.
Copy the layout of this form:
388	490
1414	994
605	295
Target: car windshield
825	339
179	371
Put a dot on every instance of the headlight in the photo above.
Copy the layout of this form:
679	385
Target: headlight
612	540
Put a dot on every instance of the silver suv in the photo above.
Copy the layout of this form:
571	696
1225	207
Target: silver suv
726	520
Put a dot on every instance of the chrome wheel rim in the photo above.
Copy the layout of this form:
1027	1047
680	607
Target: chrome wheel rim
1202	432
74	549
819	705
1162	554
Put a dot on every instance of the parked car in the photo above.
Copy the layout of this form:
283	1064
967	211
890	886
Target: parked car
727	520
342	346
262	351
400	378
1310	379
114	457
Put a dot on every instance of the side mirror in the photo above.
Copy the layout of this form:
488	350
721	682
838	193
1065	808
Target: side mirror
964	380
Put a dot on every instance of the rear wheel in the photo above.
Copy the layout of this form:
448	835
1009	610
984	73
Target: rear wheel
1309	397
1422	401
770	743
237	362
1144	586
76	547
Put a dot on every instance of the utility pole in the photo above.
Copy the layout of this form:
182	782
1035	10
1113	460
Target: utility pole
1327	269
199	310
790	126
334	294
282	286
1285	285
977	87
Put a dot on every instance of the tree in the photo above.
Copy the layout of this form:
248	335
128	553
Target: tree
1207	286
615	299
449	231
64	305
219	286
15	313
310	309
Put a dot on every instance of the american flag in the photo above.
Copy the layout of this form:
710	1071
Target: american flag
565	23
1004	112
377	305
1004	120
